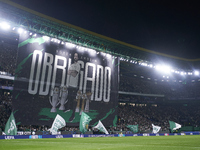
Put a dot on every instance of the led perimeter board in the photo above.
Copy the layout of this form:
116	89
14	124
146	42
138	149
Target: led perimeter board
54	77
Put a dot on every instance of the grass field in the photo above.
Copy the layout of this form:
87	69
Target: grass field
106	143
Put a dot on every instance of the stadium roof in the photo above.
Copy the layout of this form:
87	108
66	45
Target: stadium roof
36	22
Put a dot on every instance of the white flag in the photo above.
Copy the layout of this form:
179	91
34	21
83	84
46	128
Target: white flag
156	129
101	127
58	123
177	126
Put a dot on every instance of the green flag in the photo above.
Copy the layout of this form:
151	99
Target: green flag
101	127
133	128
174	125
11	128
84	122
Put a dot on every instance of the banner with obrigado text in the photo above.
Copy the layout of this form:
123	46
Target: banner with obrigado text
55	77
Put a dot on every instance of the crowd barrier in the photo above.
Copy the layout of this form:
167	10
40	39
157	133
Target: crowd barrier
92	135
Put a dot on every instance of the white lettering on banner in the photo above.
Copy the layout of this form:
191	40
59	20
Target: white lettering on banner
59	136
157	135
107	84
56	66
87	78
76	135
145	134
99	84
44	75
45	65
33	65
9	137
20	133
135	135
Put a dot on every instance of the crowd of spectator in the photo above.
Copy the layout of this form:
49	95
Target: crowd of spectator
170	89
160	115
5	109
8	57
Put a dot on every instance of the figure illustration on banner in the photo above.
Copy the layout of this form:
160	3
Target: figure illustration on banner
72	86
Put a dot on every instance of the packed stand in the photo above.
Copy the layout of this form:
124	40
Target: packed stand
8	58
160	115
171	90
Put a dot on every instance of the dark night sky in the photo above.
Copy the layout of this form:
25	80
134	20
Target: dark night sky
164	26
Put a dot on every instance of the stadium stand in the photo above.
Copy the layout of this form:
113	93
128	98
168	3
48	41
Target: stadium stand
138	109
145	96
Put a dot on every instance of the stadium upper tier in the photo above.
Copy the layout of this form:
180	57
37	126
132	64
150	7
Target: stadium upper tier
19	16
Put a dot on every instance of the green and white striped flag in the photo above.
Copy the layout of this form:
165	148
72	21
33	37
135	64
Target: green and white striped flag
101	127
84	122
133	128
58	123
11	128
156	129
174	125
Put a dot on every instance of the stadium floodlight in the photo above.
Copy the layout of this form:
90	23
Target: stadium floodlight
108	55
177	72
164	69
150	65
5	25
196	73
92	51
46	38
143	64
70	45
104	54
20	30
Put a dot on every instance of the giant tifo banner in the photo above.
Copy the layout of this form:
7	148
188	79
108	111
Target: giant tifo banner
54	77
